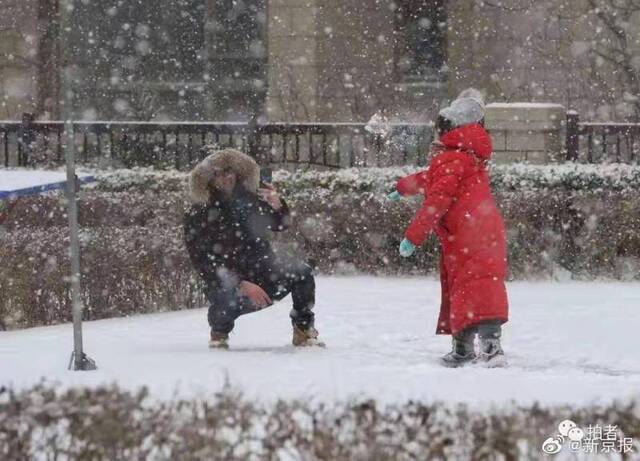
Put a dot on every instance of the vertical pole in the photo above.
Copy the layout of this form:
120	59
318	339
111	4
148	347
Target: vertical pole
74	250
78	359
254	145
252	141
573	140
26	138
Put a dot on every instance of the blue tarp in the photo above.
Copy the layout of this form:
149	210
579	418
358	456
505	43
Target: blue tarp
22	183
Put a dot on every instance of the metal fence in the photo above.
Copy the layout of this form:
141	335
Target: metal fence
327	145
591	142
178	144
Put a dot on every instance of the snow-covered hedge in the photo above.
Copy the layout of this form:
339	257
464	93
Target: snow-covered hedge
518	177
504	178
566	177
563	221
112	424
125	270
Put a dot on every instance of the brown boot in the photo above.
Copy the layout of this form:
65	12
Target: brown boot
219	340
306	337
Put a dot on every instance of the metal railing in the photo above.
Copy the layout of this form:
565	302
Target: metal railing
591	142
328	145
178	144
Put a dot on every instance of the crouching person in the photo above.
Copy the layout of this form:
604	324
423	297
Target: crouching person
227	236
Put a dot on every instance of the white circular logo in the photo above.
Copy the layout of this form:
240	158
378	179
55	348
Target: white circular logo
551	446
576	434
565	426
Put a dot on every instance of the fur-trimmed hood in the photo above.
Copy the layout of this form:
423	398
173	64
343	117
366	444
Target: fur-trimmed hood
246	169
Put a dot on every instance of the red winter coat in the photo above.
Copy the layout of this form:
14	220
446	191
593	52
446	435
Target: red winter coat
460	209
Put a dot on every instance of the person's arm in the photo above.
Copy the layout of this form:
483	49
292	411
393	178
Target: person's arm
412	184
415	184
277	209
439	197
281	218
211	266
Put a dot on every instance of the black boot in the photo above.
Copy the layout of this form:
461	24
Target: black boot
490	350
463	351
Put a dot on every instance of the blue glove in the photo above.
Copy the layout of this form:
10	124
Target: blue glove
406	248
394	196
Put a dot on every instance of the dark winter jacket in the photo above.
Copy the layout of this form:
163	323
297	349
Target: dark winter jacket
459	207
228	240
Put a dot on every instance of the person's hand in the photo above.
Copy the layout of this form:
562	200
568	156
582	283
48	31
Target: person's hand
256	294
406	248
394	196
269	195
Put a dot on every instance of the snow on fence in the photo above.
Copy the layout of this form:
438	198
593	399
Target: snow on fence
177	144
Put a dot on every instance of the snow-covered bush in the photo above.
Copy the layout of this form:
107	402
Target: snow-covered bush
562	221
125	270
518	177
108	423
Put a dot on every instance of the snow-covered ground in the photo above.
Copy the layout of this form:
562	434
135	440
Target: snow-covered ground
566	343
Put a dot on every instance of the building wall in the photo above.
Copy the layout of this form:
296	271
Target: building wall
544	51
18	53
293	74
332	60
507	52
341	59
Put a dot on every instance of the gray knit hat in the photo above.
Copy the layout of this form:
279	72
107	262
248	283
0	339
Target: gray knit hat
467	108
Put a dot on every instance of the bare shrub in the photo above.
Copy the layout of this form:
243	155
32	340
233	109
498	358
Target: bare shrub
108	423
580	224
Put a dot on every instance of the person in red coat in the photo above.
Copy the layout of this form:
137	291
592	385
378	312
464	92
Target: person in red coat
459	207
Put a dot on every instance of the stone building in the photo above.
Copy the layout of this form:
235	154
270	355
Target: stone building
18	58
314	60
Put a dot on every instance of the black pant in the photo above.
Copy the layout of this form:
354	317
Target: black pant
226	305
486	329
